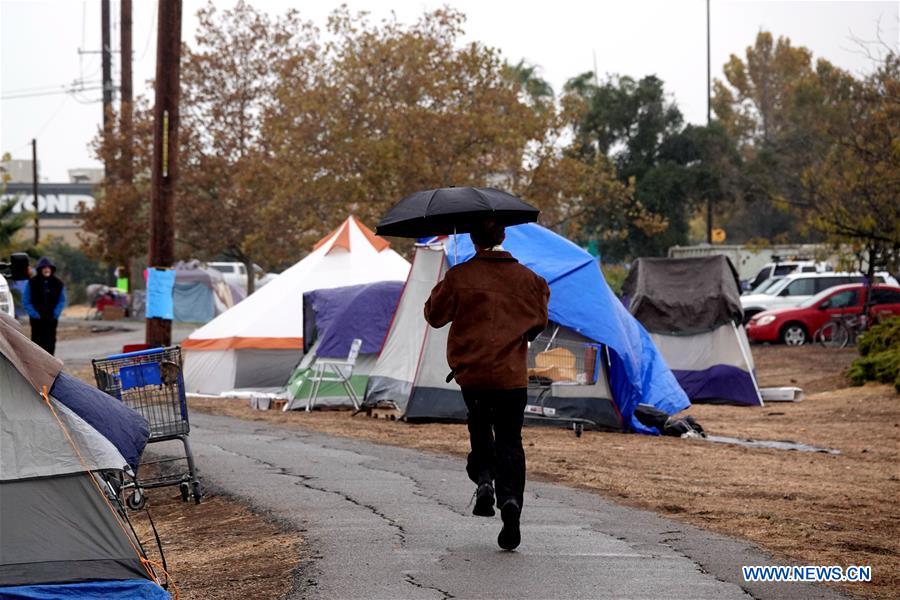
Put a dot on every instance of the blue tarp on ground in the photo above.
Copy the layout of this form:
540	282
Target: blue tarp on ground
581	300
131	589
345	313
125	428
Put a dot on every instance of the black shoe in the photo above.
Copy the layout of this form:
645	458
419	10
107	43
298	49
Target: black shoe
510	537
484	501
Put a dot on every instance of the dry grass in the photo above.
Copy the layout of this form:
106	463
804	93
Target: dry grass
219	549
809	507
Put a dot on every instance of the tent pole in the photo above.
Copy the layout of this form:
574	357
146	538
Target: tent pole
747	362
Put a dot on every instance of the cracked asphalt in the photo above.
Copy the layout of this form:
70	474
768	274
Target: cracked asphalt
386	522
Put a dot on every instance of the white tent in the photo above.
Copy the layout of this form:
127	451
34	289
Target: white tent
411	372
413	362
257	343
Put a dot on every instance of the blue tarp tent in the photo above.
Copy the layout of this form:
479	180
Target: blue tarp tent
334	317
581	300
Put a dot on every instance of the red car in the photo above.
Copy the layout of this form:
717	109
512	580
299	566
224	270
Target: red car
796	326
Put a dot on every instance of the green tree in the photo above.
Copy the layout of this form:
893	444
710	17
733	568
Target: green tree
673	168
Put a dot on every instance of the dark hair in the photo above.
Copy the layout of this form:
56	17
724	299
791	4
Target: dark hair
488	233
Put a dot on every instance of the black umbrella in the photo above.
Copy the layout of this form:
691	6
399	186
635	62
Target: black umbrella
453	210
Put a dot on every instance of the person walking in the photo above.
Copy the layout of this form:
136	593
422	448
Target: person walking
496	306
44	298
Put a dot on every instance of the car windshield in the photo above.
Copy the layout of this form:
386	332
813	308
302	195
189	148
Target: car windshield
766	285
815	300
776	287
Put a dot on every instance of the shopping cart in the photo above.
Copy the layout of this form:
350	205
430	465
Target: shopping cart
151	382
567	382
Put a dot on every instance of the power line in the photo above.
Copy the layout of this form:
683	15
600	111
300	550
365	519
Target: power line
20	95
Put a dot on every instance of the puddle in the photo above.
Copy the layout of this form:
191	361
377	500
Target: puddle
770	444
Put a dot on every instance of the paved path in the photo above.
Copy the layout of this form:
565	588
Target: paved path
385	522
80	351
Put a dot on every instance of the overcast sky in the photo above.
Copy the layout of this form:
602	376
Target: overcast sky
40	42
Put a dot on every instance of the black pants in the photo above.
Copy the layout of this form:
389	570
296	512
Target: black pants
495	433
43	333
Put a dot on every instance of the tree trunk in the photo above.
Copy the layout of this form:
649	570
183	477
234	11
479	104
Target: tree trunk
251	276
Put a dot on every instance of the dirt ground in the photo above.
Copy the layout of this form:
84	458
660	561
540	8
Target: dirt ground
218	549
809	508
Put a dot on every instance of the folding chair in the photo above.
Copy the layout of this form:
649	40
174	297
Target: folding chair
332	370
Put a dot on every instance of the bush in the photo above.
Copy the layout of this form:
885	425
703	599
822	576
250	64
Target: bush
879	360
615	276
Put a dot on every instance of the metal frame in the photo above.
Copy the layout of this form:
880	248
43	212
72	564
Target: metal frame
152	383
335	371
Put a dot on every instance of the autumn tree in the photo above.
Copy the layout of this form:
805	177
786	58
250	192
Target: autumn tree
773	102
229	79
115	229
852	189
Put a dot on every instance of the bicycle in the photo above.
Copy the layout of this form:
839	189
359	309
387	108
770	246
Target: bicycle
844	329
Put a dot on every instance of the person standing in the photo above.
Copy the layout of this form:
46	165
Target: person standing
496	306
44	299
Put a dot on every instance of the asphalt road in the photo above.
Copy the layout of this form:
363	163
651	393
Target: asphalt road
79	352
385	522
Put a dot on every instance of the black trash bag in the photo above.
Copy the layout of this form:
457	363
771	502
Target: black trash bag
673	426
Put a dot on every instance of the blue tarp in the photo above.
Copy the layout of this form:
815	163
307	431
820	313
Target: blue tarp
356	311
160	283
125	428
131	589
581	300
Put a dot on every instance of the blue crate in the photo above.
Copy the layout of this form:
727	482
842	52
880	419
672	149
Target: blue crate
140	375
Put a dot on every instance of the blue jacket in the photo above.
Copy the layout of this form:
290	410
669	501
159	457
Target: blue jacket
35	306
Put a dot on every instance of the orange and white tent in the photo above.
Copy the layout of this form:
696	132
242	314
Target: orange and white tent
257	343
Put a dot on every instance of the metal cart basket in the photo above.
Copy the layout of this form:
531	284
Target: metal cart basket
561	369
151	382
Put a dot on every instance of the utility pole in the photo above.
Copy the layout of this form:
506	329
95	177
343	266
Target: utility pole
34	183
709	202
106	53
165	152
126	126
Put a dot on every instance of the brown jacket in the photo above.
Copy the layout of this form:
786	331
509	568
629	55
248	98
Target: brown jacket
495	304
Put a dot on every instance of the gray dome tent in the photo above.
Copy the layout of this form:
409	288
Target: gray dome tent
692	309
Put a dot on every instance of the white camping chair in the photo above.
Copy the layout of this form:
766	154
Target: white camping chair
336	371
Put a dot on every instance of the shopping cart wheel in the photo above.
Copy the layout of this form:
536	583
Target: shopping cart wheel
198	495
185	491
579	428
136	499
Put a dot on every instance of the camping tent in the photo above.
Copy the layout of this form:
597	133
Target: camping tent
257	343
200	294
692	308
412	368
59	534
332	319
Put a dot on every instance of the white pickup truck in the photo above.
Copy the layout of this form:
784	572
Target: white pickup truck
6	298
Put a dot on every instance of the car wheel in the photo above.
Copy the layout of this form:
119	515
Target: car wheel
794	334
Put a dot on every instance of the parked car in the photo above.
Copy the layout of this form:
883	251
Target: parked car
796	326
799	287
6	298
235	273
780	269
765	285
